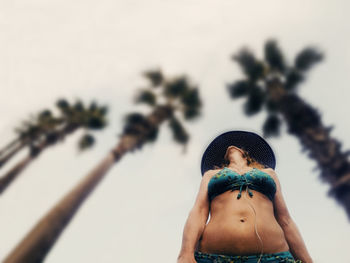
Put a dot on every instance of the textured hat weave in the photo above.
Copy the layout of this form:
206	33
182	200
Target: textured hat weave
254	144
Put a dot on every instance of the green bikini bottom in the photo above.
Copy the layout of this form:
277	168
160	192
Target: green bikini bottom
278	257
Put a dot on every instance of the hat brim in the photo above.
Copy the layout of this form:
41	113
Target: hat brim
256	146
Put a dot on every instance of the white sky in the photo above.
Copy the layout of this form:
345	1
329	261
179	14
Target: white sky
97	50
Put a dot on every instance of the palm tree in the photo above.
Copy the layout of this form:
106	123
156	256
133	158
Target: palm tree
138	130
273	84
56	129
29	131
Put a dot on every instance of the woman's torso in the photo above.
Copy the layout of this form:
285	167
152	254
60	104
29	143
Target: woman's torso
231	229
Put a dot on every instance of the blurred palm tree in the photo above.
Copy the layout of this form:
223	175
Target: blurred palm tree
29	132
179	95
273	84
47	130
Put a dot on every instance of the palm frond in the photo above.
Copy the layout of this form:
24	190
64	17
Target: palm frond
103	110
191	113
293	78
255	100
192	103
251	67
86	142
271	106
45	114
79	106
238	89
146	96
63	105
179	133
51	137
274	56
136	124
307	58
96	123
93	106
271	126
154	76
175	88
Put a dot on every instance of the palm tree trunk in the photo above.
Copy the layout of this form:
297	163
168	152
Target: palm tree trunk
35	246
38	242
11	175
8	156
305	123
9	145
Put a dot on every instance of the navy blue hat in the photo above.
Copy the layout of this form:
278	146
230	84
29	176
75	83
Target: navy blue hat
254	144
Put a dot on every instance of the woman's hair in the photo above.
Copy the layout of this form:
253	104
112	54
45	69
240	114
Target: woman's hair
250	161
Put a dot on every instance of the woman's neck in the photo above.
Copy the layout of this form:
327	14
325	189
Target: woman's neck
238	167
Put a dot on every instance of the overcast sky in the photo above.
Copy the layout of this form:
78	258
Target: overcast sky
97	50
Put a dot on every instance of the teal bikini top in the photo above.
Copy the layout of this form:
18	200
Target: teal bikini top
227	179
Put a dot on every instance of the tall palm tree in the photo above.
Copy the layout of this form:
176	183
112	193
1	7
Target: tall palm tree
180	96
56	129
272	84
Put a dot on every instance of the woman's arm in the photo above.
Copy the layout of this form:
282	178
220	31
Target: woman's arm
192	231
197	219
295	242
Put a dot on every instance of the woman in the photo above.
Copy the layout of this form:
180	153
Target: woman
250	225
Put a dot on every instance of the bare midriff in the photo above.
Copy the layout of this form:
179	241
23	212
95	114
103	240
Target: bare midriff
231	228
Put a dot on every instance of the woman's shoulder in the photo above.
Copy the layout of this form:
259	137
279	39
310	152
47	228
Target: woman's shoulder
211	172
269	170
